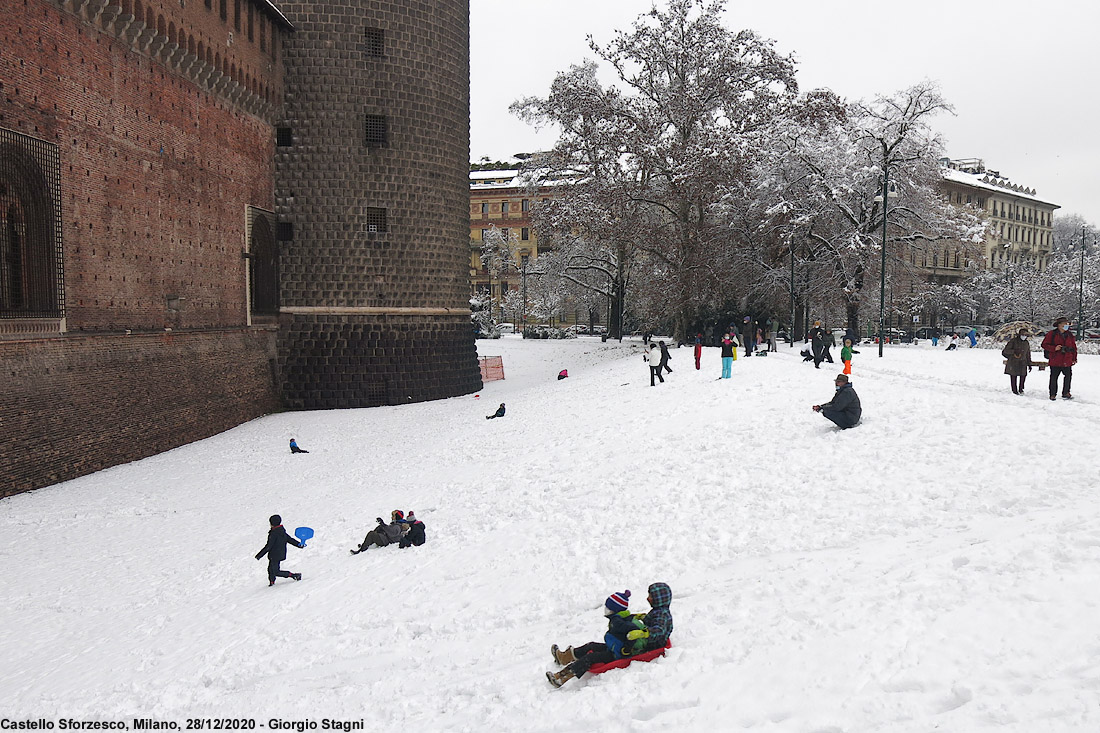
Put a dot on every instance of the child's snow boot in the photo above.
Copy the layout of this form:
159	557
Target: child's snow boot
557	679
563	656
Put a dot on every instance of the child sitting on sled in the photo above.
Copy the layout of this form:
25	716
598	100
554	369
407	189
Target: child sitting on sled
627	635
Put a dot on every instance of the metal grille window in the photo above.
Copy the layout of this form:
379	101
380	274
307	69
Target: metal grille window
284	137
374	42
375	130
31	271
376	220
284	231
263	263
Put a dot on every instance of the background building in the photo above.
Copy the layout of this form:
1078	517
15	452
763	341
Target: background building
1020	223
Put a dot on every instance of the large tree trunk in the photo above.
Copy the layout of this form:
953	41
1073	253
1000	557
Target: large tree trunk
852	308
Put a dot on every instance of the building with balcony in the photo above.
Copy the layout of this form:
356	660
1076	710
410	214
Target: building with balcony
1020	223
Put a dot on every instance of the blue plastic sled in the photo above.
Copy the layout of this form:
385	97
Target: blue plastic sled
625	662
303	534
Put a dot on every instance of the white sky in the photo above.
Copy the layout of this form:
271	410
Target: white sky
1020	75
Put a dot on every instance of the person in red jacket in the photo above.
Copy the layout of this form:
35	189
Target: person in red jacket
1061	350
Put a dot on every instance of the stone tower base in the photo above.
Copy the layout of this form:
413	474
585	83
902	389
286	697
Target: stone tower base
365	359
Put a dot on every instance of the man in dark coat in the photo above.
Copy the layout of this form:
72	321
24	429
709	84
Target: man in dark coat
275	549
665	356
748	335
1061	350
817	342
844	408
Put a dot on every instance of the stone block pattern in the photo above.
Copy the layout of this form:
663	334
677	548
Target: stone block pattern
329	177
340	361
78	404
156	171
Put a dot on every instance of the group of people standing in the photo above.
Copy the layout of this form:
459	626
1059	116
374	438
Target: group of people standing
1059	347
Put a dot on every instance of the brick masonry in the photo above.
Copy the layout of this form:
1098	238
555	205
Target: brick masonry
160	152
164	115
78	404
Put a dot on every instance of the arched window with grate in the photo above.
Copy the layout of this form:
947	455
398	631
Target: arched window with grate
263	267
30	228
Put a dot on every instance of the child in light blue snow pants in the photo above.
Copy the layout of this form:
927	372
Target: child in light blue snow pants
727	367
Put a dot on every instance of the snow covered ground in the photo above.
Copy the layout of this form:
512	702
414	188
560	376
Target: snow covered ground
933	569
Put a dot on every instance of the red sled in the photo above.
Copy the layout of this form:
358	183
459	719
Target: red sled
625	661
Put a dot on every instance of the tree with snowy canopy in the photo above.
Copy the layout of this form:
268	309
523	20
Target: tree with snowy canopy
651	159
824	172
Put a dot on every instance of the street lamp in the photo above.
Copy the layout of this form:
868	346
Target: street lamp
887	194
1081	287
523	269
790	334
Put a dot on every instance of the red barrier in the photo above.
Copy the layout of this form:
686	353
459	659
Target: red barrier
492	368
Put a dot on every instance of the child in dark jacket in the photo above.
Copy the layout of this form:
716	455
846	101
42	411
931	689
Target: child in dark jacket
627	635
275	549
415	535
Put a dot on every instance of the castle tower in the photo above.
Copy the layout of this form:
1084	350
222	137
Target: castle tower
372	200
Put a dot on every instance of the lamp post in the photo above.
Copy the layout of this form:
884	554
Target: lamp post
790	334
523	270
1081	287
884	198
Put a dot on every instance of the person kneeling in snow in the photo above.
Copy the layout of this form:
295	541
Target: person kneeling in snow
385	534
627	635
844	408
498	413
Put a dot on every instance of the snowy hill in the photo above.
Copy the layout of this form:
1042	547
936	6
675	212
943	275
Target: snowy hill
934	568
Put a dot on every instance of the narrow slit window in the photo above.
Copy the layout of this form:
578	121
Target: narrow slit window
284	231
284	137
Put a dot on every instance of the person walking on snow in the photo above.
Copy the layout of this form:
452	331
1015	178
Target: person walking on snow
748	335
294	447
665	357
626	635
698	349
817	339
844	408
499	413
973	336
1061	348
846	356
773	330
652	357
275	549
1017	354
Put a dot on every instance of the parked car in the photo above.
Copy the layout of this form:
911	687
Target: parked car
599	330
577	328
928	332
506	327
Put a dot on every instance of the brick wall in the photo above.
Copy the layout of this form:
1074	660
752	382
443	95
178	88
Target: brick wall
157	162
78	404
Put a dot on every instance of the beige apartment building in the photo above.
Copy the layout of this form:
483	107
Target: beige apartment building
501	199
1020	223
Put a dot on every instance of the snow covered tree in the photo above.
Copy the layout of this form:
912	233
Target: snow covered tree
825	172
653	156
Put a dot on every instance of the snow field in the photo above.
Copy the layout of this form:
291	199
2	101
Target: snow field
931	569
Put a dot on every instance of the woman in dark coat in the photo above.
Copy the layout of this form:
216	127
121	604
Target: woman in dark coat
1017	354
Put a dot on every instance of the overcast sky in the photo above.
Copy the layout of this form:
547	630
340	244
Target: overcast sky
1022	76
